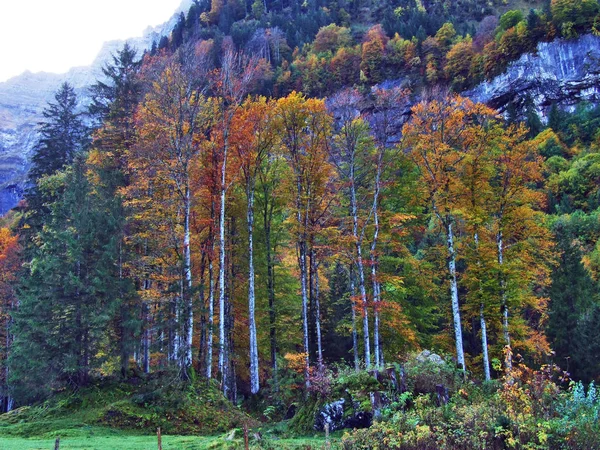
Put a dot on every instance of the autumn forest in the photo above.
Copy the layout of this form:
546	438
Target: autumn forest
285	226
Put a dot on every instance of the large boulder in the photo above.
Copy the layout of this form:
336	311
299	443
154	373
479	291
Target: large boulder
342	414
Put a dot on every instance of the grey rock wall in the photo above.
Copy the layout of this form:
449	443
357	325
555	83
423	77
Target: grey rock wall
563	72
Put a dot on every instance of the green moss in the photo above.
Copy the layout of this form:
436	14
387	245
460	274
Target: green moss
139	404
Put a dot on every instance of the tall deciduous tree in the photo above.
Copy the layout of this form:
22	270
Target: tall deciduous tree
440	136
518	229
173	120
351	157
229	84
305	125
253	137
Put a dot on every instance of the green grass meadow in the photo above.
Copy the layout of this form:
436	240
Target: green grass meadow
114	441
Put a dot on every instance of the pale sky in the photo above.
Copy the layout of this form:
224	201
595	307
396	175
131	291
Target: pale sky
55	35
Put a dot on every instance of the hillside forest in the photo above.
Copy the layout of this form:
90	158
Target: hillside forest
279	196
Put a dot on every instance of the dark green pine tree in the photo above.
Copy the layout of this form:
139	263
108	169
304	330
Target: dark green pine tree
114	99
62	135
67	296
574	303
114	102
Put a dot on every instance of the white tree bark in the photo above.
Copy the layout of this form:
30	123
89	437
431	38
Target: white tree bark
354	333
303	283
211	316
460	356
500	245
374	261
222	263
360	268
484	342
187	269
318	315
254	375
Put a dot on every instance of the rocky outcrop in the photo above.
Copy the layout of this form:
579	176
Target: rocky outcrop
342	414
562	72
23	98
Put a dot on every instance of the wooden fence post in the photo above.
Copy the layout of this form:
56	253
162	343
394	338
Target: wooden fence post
57	443
159	437
246	442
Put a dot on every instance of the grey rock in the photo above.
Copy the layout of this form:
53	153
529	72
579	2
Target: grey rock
562	72
427	356
342	414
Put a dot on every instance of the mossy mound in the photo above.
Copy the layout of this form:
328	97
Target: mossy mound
140	404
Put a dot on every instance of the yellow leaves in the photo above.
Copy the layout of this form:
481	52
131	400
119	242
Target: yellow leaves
296	361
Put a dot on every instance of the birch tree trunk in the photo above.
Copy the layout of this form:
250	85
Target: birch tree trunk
484	342
317	311
303	282
146	336
374	263
254	376
222	267
360	268
301	245
460	356
211	316
188	298
500	245
354	333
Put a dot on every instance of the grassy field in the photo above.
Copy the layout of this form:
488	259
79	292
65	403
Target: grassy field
108	440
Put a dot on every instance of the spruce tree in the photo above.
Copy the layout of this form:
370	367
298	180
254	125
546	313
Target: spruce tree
67	295
62	135
113	107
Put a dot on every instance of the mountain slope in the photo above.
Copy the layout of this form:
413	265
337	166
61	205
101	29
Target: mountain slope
24	97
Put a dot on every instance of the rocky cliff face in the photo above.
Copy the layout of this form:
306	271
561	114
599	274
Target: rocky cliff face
23	98
563	72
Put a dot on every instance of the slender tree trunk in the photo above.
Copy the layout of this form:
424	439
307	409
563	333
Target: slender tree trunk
173	330
500	245
146	335
202	301
211	315
267	217
484	342
8	398
124	317
360	268
303	276
254	376
222	267
315	264
211	297
303	283
229	383
460	356
354	333
188	297
374	265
